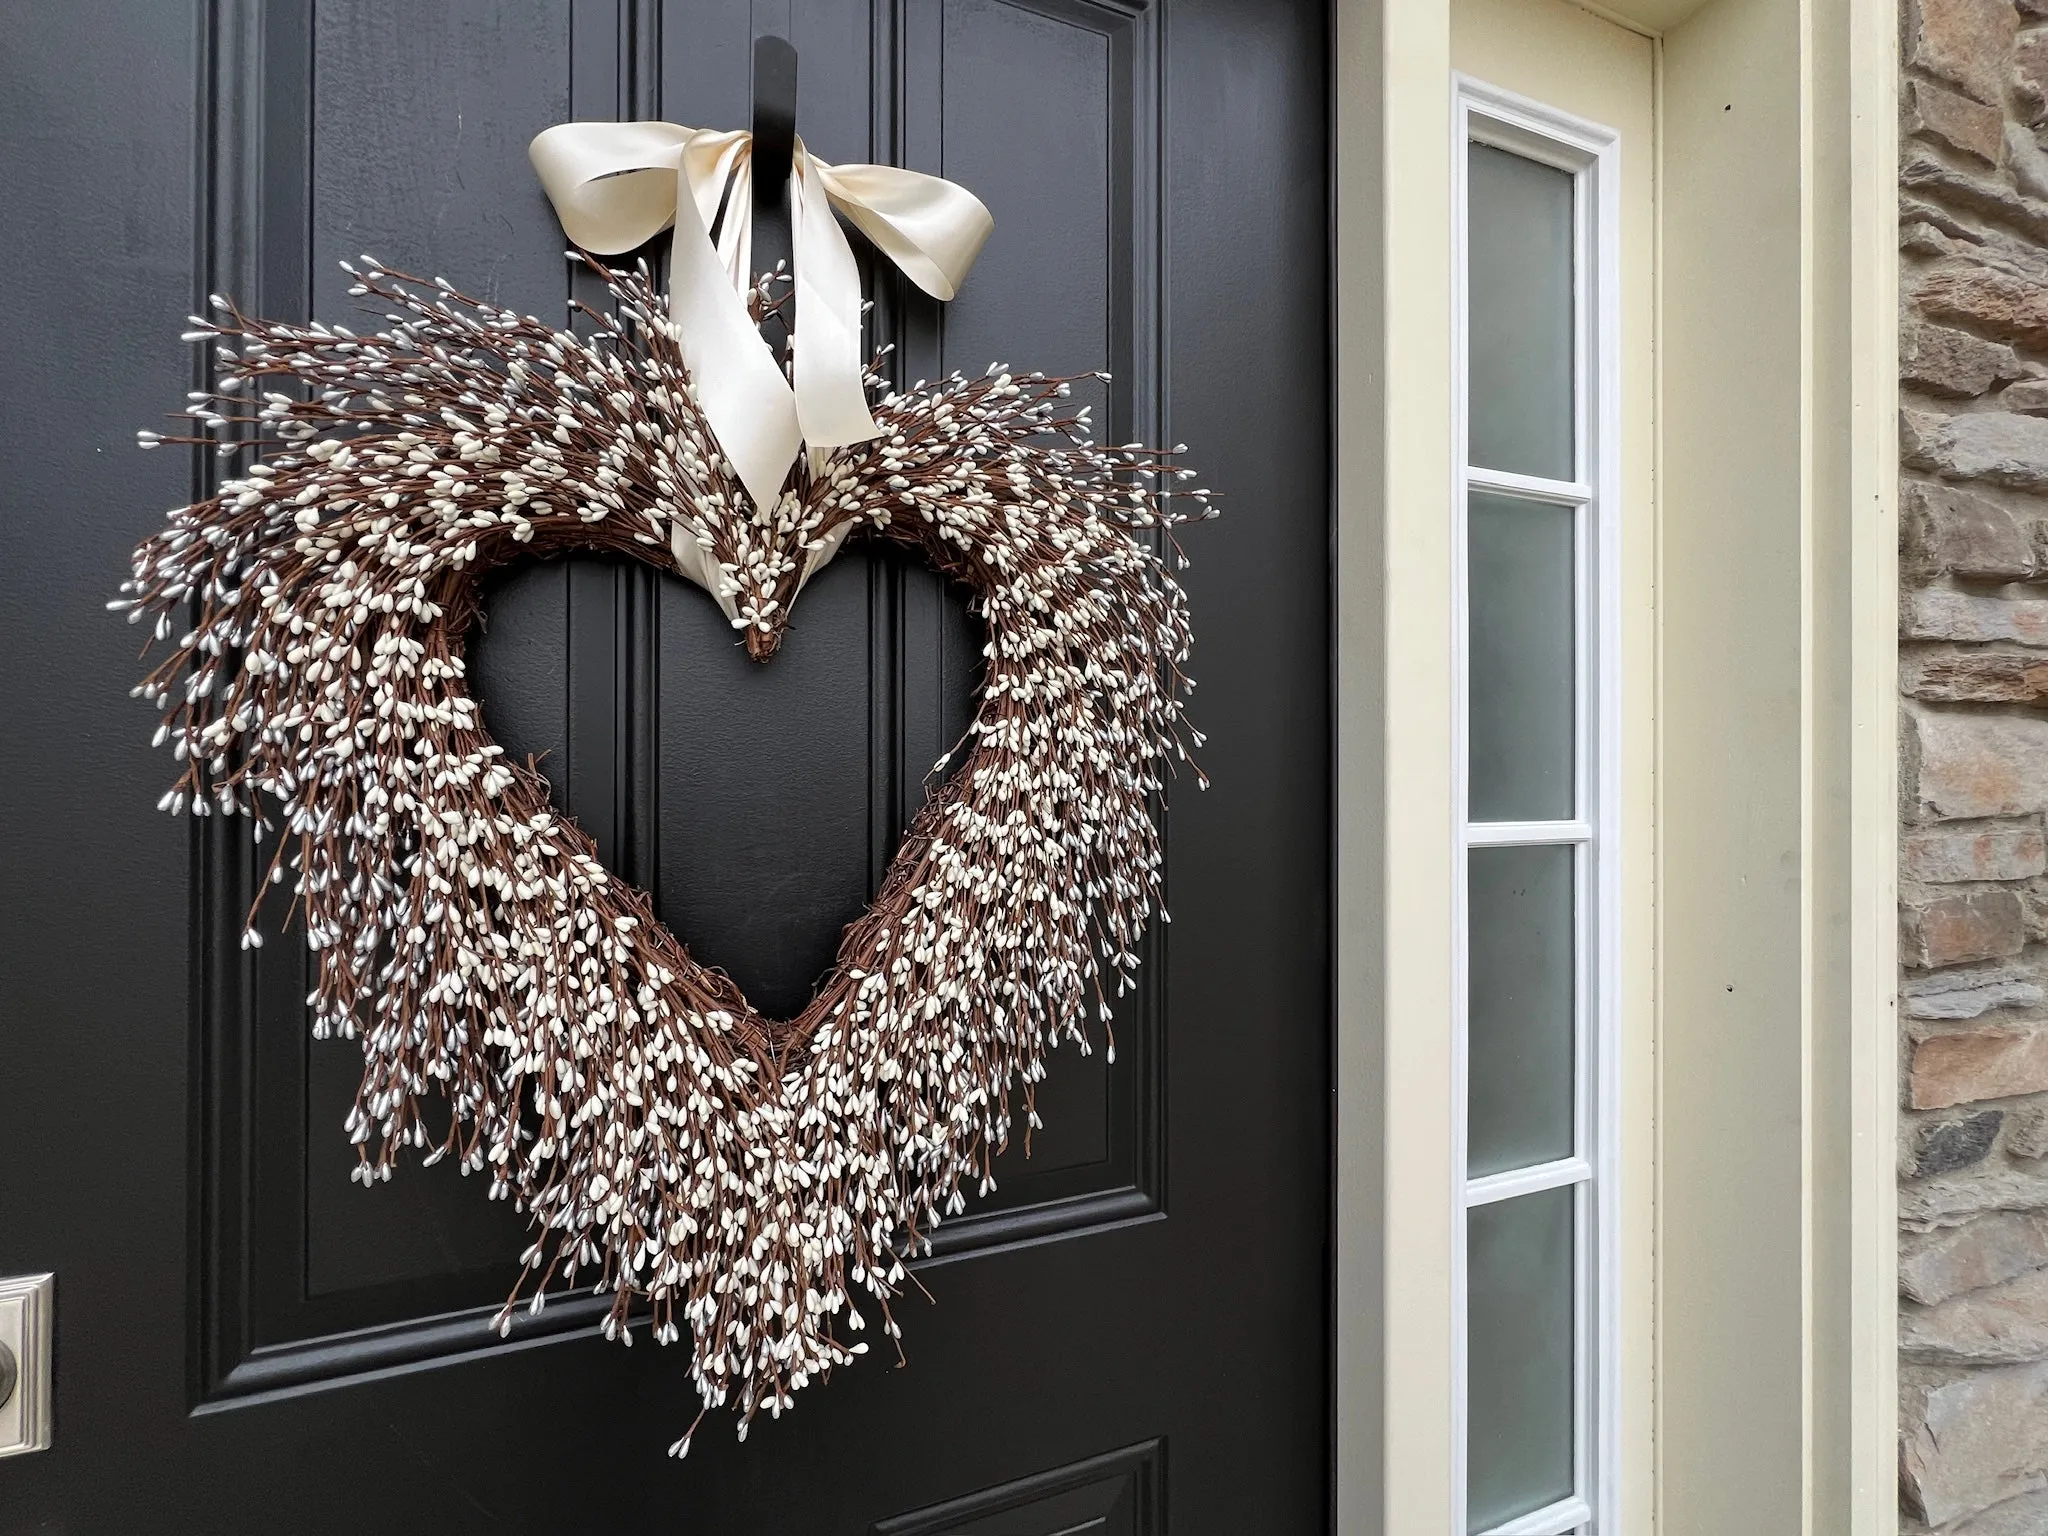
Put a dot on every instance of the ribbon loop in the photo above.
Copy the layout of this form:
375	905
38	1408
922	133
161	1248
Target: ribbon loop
617	185
607	180
930	227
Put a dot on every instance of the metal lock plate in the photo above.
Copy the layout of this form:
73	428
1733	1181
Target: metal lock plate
27	1320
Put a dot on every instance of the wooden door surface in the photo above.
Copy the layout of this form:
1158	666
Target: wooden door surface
1130	1335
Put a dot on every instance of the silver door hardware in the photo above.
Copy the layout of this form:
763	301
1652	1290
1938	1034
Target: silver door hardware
27	1316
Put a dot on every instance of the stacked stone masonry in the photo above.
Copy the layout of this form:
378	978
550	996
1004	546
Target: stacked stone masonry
1973	656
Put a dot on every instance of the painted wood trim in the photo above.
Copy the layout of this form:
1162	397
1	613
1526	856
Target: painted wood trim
1420	826
1393	815
1392	73
1861	67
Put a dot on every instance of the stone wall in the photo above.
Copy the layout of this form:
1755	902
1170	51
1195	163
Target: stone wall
1973	626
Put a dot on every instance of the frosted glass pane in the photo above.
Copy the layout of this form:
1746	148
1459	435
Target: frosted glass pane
1519	988
1519	281
1519	582
1518	1357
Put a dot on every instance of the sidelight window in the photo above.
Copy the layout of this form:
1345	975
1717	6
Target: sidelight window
1537	471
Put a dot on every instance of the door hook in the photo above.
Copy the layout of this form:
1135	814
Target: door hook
774	117
774	149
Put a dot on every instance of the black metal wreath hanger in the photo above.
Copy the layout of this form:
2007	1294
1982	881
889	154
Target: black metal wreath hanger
774	153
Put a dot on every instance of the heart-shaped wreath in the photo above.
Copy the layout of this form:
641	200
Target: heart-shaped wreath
749	1174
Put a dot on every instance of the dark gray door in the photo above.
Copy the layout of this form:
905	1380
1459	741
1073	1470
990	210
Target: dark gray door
1131	1336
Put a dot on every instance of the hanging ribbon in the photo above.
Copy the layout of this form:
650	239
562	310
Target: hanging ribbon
617	185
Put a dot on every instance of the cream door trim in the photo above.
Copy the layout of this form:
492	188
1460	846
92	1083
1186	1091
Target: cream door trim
1774	1105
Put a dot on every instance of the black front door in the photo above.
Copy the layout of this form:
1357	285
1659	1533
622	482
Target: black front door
1130	1335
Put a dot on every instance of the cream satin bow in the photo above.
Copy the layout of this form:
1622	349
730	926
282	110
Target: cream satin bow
617	185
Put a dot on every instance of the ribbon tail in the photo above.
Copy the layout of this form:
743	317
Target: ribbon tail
695	562
736	235
831	401
743	395
817	559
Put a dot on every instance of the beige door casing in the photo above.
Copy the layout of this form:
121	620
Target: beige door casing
1757	1355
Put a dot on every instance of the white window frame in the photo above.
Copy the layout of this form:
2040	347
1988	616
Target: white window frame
1591	154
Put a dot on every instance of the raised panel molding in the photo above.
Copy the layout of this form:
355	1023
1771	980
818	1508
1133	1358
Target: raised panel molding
934	50
261	1326
285	1298
1121	1493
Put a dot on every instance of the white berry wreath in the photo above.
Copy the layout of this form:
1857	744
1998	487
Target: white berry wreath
746	1178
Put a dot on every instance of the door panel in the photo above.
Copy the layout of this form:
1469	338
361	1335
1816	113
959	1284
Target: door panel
399	130
288	1350
1074	290
1113	1495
